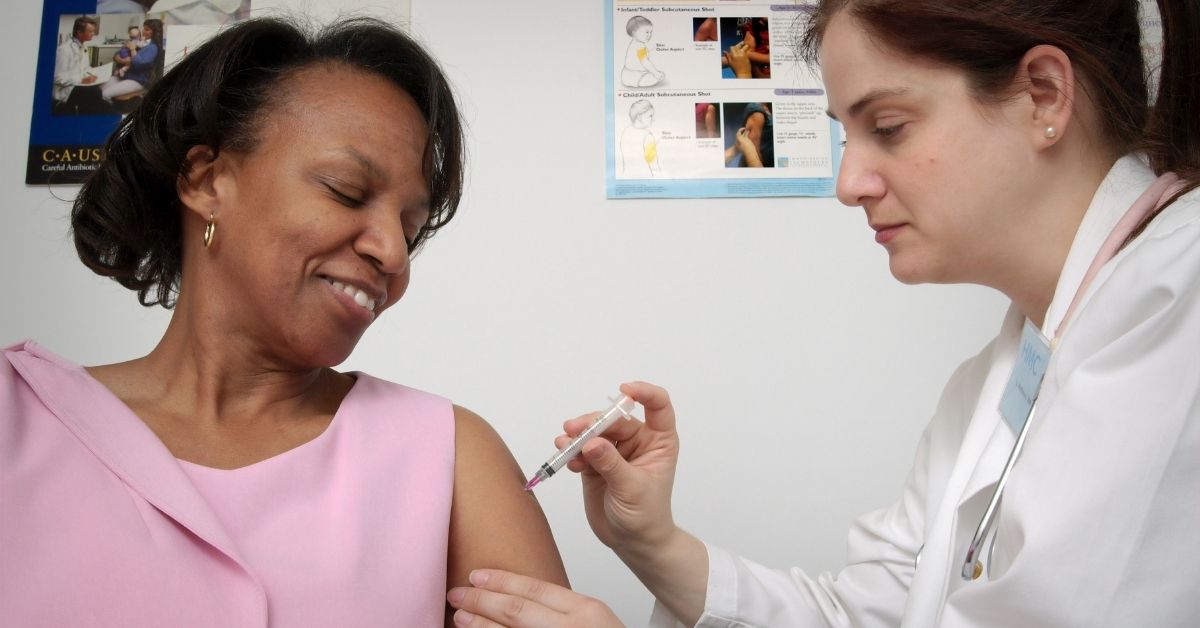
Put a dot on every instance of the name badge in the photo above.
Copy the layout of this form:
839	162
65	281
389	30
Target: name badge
1026	379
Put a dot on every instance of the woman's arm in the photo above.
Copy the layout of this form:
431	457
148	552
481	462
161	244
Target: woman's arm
628	505
494	522
751	50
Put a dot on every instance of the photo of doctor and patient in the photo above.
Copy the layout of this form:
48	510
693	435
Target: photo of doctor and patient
104	62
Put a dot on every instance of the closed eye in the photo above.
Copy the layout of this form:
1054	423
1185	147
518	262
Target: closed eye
343	198
418	235
418	229
887	132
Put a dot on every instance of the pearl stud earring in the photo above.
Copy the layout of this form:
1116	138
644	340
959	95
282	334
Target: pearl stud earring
1051	133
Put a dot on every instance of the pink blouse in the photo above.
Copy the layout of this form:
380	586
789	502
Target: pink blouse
101	526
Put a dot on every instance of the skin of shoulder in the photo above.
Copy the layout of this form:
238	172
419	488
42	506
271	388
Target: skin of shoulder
494	522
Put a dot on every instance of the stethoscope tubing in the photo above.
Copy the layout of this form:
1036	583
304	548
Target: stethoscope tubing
971	566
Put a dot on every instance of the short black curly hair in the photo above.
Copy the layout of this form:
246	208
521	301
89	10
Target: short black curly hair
126	220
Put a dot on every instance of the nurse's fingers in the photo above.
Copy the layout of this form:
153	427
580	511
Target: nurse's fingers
546	594
580	463
660	414
576	425
622	429
480	608
501	598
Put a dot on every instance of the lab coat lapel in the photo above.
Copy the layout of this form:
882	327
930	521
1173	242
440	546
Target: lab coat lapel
988	440
1125	182
978	466
121	441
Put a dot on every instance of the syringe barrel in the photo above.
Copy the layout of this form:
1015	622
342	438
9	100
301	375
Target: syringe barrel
620	408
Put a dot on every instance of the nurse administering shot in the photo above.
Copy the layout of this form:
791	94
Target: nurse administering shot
1026	146
619	408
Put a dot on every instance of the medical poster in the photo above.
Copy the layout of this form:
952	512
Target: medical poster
95	59
708	98
1152	41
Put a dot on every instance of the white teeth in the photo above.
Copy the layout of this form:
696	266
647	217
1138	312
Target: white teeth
359	296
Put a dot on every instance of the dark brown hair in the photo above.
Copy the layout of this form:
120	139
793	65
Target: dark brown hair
80	24
127	221
986	39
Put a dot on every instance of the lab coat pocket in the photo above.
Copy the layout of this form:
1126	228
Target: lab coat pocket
1005	545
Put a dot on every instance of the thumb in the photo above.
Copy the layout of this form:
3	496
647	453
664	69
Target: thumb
603	456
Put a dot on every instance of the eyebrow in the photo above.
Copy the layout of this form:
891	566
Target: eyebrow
871	97
362	160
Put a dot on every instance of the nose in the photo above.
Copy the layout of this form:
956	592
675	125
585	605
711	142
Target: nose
858	182
382	242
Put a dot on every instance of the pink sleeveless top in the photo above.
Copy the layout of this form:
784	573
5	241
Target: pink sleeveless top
100	525
350	528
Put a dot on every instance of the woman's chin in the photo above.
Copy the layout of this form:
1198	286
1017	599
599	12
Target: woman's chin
908	271
328	353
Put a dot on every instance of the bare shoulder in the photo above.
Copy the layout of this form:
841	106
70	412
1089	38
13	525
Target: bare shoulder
481	457
494	522
475	436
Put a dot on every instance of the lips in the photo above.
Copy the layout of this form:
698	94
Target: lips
885	233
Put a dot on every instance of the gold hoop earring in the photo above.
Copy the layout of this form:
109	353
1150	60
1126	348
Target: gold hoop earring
1051	133
210	230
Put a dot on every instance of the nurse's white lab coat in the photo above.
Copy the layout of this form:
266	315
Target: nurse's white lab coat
1100	521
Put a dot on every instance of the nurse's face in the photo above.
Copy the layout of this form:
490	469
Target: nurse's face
938	173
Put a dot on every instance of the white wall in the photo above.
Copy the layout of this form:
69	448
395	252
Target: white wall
802	372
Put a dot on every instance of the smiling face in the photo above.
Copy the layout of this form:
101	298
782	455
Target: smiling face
313	225
943	177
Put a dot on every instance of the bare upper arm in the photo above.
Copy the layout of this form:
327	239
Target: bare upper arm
494	522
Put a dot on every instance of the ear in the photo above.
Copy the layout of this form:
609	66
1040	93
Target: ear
1050	84
200	188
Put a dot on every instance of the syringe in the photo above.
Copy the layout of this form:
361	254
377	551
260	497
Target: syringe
620	407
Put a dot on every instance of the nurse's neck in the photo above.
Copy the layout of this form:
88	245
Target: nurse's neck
1030	275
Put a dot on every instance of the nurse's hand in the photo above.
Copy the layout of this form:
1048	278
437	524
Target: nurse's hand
738	57
744	143
627	496
501	598
627	486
